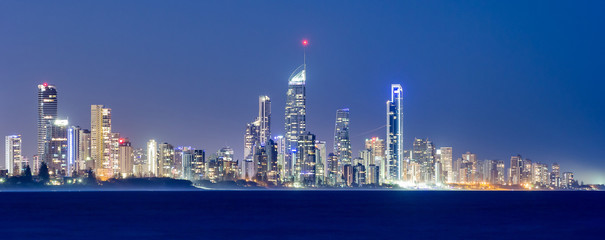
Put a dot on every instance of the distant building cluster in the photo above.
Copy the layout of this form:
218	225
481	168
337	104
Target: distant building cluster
296	159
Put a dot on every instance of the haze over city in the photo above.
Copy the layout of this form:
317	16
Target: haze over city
495	83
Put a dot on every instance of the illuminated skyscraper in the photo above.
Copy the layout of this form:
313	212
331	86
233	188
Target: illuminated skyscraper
555	176
100	139
165	160
470	160
85	161
271	147
57	150
567	180
152	157
377	151
264	118
126	158
47	113
342	143
500	168
446	159
13	161
332	169
306	159
251	138
73	150
424	155
296	110
516	168
394	151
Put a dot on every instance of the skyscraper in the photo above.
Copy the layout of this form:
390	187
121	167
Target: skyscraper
264	118
126	157
377	151
555	176
165	160
85	161
152	158
251	138
342	143
73	149
47	113
295	111
446	158
516	167
100	139
394	151
57	150
424	155
13	161
306	159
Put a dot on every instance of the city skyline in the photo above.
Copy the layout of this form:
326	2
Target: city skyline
72	104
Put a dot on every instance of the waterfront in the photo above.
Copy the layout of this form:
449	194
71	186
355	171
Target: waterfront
301	214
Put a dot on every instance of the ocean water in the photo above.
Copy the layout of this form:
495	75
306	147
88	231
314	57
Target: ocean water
302	215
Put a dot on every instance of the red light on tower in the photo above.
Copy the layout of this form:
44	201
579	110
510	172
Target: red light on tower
305	42
121	140
45	84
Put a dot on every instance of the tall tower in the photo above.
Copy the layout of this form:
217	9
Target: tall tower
395	134
13	159
446	158
264	118
47	113
152	158
100	138
342	143
296	111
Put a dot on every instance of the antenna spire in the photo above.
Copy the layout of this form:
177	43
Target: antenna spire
305	43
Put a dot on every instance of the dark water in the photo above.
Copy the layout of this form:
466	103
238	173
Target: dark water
302	215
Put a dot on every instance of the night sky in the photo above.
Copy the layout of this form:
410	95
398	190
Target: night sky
492	77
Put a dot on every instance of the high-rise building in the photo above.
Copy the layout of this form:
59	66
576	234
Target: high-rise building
152	158
126	157
446	158
100	139
295	110
555	176
264	118
423	154
57	150
306	159
394	150
500	168
359	175
47	113
165	160
285	171
271	147
251	138
332	169
228	169
342	143
526	172
322	160
347	175
372	175
377	151
567	180
85	161
472	165
187	167
198	165
516	168
73	150
13	161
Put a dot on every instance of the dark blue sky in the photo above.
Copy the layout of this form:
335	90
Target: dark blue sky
492	77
